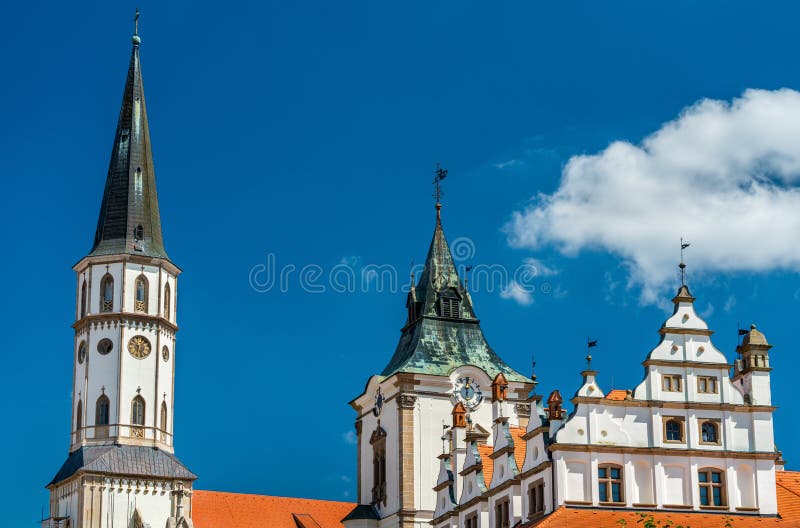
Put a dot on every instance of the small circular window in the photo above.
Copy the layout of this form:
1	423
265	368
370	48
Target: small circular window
165	353
104	346
82	352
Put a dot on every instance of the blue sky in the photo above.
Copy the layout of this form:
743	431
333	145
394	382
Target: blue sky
310	131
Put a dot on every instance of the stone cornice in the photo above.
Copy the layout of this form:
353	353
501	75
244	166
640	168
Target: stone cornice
664	451
118	317
83	263
694	364
660	404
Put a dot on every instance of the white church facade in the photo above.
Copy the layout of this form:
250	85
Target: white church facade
448	434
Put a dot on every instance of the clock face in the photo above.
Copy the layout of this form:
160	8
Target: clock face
376	410
468	392
139	347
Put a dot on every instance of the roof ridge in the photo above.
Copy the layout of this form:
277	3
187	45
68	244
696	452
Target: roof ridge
250	494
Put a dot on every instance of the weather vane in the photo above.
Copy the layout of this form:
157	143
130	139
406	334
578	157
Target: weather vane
136	22
440	175
682	265
589	345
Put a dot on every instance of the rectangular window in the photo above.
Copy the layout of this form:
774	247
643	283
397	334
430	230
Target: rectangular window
610	483
674	427
535	498
707	385
672	382
501	514
712	488
471	521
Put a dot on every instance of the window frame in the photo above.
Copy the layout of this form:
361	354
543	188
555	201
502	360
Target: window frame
83	300
681	421
717	424
609	481
668	381
140	305
167	301
502	513
706	380
137	429
709	486
107	305
536	505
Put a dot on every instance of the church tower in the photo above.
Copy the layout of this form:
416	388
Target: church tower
432	403
121	469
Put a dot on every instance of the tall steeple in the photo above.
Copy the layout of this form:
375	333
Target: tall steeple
129	221
124	352
442	331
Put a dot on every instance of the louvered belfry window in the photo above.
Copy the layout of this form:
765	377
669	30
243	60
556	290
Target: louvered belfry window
450	305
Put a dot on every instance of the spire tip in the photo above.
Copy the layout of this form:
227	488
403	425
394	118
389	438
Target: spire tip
136	39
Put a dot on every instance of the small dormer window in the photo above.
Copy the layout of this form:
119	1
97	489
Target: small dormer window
138	232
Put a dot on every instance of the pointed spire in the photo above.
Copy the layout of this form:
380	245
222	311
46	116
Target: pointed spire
129	220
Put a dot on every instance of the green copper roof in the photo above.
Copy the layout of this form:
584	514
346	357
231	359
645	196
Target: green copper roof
129	221
435	344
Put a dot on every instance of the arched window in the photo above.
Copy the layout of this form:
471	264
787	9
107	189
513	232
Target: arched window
167	301
101	410
163	416
83	299
137	417
709	432
138	232
712	487
107	293
79	416
673	430
378	441
140	290
610	483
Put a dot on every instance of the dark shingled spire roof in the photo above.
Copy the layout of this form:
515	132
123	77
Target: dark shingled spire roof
129	222
433	342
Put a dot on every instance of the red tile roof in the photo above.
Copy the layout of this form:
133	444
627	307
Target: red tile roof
617	394
216	509
519	453
788	487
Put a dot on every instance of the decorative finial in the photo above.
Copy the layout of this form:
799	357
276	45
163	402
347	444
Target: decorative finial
437	193
136	39
533	373
444	436
682	265
589	345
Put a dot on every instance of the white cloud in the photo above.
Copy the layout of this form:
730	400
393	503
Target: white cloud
540	268
507	164
517	293
730	303
350	438
722	175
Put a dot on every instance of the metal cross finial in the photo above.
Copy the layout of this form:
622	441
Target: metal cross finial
136	22
682	265
440	175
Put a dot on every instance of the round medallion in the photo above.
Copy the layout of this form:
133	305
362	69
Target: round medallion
165	353
82	352
104	346
467	391
139	347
